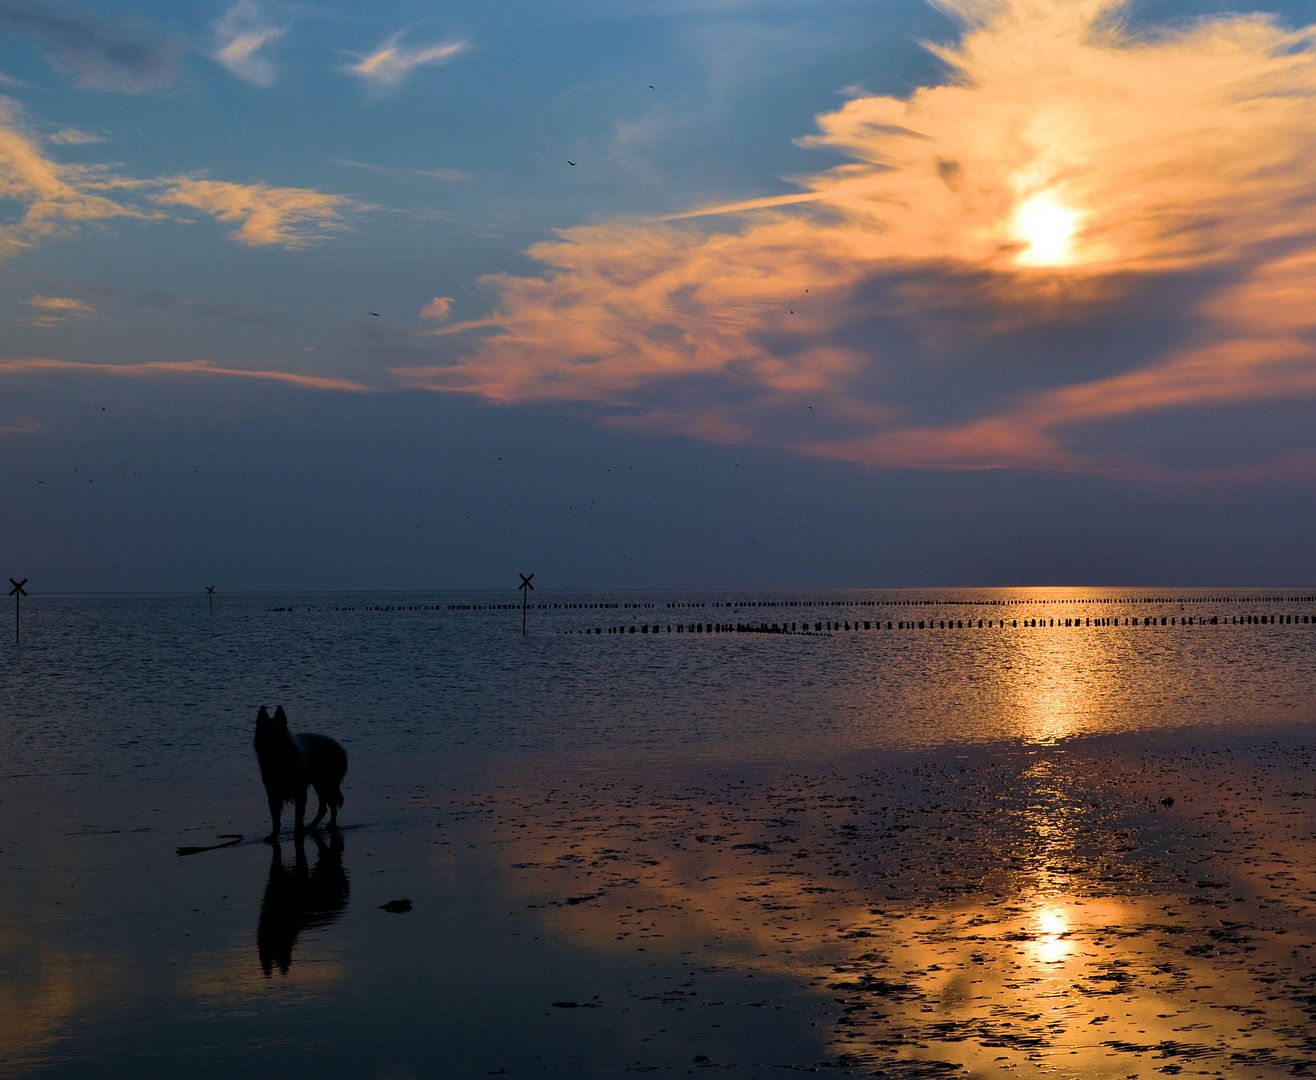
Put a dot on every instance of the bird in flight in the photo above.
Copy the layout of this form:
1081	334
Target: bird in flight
570	162
375	314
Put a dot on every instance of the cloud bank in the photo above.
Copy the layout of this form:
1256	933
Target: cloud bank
1083	229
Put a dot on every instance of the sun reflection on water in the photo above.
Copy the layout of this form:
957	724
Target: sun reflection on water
1020	932
1055	680
1052	944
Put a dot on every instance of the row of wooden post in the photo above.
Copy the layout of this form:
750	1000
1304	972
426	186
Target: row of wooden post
831	626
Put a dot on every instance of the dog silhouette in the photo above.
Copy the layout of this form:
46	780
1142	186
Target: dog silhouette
290	763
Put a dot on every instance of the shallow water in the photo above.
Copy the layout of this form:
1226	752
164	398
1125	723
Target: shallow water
936	851
108	688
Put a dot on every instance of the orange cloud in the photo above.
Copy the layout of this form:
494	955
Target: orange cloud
1229	372
62	303
51	196
57	309
267	216
437	309
389	65
54	197
890	313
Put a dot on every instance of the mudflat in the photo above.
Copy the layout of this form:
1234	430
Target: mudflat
1105	907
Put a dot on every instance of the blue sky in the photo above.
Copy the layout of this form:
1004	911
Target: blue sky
989	292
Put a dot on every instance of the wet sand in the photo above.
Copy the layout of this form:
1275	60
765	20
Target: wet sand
1079	911
1117	907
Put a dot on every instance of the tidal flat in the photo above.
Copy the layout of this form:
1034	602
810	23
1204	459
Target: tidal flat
1075	843
1106	907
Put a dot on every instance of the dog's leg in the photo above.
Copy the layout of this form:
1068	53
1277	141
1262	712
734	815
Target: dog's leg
299	808
276	811
334	800
319	814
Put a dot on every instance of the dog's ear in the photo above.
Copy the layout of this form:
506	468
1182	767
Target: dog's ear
263	717
280	717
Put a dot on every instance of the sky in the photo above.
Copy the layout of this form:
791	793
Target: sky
659	294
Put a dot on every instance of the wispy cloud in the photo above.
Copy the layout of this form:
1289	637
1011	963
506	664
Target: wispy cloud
266	216
388	66
100	53
105	297
74	137
1080	227
450	175
241	37
57	309
65	304
20	426
160	368
54	198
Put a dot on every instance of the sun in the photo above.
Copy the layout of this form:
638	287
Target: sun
1047	226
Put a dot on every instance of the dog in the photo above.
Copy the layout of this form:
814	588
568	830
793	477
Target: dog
290	763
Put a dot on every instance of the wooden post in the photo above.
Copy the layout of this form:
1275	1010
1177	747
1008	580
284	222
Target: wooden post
17	592
210	592
525	588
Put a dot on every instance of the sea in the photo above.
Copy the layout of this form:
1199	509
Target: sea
909	833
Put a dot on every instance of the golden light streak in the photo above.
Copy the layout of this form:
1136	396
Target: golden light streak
181	367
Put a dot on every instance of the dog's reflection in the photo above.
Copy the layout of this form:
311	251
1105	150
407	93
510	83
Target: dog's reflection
298	897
